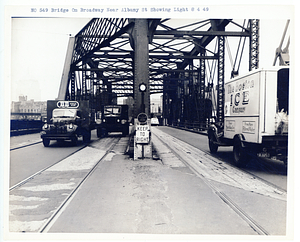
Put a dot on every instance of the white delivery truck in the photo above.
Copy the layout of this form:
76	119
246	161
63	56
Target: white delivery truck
255	118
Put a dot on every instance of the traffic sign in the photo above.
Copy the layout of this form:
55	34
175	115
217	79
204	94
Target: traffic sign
142	134
142	118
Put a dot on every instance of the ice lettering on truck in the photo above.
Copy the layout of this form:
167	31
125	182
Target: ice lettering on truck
245	97
241	98
237	99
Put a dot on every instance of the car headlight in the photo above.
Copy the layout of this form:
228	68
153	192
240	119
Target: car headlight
45	127
71	127
123	121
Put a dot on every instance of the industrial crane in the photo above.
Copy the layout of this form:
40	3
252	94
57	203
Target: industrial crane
283	55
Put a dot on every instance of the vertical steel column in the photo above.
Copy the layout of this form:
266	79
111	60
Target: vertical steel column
92	96
72	94
98	94
202	89
220	89
141	65
189	112
181	82
84	82
254	44
64	83
167	97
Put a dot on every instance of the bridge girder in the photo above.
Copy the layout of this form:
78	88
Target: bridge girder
104	56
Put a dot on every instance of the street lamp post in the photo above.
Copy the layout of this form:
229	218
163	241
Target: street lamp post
143	88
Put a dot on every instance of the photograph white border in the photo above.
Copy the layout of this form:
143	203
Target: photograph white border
218	9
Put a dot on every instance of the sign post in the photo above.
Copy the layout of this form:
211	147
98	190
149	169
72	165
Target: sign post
142	138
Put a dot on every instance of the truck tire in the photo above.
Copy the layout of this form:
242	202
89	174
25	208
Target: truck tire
99	132
46	142
104	132
74	141
213	147
240	155
125	131
87	136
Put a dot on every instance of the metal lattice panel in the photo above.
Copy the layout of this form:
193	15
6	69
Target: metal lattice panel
254	44
103	61
98	33
220	89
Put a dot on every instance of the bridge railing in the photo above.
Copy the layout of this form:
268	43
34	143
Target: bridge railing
25	123
192	126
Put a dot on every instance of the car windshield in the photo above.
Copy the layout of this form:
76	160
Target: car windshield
112	111
64	113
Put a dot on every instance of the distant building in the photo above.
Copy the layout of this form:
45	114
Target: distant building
28	109
130	102
156	105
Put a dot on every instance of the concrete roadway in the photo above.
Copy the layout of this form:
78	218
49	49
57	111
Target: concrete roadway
147	197
272	171
144	196
25	162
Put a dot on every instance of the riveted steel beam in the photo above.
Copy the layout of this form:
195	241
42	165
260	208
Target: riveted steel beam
141	66
254	44
180	33
114	54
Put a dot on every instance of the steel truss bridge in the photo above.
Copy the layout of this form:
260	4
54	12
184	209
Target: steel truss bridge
182	59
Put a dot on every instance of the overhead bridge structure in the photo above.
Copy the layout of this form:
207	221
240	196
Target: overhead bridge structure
182	59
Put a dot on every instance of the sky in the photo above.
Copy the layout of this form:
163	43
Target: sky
39	45
38	50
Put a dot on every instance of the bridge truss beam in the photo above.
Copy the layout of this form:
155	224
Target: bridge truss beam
182	61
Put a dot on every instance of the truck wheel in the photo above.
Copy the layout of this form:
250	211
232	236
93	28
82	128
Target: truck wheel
240	155
104	133
213	147
125	131
87	136
46	142
99	132
74	141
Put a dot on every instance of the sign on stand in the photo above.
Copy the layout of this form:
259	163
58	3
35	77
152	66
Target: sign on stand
142	139
142	134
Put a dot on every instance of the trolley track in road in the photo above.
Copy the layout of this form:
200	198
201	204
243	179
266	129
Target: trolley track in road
246	171
45	186
46	226
263	165
204	174
25	145
24	181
